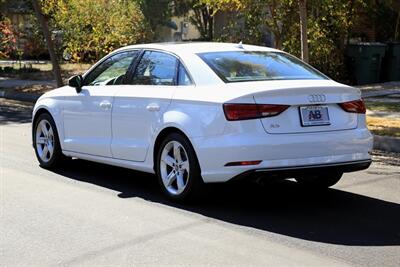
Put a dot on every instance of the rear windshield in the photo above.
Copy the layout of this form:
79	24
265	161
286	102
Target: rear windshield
243	66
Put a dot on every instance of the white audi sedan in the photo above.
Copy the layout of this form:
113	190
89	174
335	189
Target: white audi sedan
196	113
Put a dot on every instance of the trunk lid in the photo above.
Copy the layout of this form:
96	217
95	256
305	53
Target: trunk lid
303	96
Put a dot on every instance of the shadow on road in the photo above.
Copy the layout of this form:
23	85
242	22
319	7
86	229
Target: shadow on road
18	112
332	216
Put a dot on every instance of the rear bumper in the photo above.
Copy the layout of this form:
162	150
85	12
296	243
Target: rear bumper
295	171
348	150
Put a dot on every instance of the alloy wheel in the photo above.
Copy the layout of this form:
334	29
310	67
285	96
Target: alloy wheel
44	140
174	167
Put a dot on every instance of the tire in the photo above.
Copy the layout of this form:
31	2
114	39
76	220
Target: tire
46	142
320	180
178	170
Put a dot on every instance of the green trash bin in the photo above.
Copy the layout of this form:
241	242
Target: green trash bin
391	63
365	60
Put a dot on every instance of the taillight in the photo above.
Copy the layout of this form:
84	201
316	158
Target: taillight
234	112
356	106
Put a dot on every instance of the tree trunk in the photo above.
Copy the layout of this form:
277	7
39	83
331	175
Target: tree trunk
210	25
396	30
303	29
277	41
49	42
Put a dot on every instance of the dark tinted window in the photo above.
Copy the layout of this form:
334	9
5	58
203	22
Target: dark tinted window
239	66
156	68
183	77
112	70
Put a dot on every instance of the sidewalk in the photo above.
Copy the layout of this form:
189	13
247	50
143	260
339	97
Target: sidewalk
10	83
380	89
16	89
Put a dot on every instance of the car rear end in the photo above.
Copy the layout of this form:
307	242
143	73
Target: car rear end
284	125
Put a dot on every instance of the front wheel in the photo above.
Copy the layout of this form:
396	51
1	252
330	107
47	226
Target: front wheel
320	180
46	142
177	169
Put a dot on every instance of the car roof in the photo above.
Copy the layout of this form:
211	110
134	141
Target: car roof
198	47
200	72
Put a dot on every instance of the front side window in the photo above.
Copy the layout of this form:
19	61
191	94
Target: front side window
243	66
156	68
112	70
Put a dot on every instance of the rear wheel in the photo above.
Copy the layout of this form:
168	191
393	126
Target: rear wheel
177	169
46	142
320	180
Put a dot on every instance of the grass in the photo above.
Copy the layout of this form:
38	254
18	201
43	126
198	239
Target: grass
383	106
384	126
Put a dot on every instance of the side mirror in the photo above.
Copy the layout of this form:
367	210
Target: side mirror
76	82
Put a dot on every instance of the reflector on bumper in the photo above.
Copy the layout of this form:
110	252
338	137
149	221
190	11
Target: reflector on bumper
243	163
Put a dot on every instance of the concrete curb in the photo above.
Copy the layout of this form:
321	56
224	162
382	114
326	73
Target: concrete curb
27	97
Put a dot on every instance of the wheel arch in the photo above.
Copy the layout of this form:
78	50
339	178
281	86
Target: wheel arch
36	114
45	109
162	135
39	112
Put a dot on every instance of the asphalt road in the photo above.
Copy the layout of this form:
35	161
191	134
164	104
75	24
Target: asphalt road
95	215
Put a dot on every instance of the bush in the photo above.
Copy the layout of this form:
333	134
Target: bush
7	39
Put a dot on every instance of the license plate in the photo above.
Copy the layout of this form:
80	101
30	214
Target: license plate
314	116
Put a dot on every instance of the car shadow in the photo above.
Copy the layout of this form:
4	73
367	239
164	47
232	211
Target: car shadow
283	207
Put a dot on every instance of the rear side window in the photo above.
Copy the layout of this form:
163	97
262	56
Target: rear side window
183	76
243	66
156	68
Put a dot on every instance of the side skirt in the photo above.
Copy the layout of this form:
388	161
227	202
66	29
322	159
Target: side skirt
134	165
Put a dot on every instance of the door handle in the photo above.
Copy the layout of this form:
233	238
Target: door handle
105	105
153	107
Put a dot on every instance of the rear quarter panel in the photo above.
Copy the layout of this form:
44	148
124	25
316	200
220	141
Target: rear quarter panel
197	111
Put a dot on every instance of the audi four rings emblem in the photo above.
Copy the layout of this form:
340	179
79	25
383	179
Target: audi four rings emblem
316	98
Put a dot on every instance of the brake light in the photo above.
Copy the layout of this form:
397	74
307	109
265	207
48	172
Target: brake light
356	106
234	112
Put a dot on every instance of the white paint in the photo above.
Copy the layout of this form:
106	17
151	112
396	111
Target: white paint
123	131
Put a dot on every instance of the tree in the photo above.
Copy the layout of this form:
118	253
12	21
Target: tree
7	38
49	42
303	29
325	26
91	29
203	19
329	27
251	18
385	18
159	12
156	12
200	15
396	28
